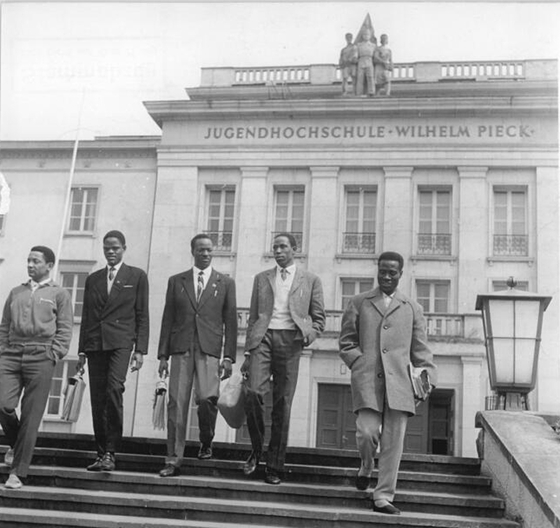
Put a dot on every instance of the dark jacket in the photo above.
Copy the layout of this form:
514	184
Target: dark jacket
214	318
118	320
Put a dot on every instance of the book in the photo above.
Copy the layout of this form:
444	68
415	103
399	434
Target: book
420	380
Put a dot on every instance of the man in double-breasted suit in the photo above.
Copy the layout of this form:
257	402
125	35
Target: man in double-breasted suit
383	331
200	316
286	314
115	322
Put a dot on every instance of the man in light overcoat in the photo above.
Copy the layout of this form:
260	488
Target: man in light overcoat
383	331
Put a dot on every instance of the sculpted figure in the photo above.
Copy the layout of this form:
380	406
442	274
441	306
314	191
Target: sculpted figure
383	64
347	62
366	48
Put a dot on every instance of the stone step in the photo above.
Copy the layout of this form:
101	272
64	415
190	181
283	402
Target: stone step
294	455
252	490
311	474
200	511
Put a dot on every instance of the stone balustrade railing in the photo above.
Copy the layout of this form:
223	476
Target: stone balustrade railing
402	72
463	326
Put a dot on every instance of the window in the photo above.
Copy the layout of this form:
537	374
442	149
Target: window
288	213
75	283
434	222
359	234
62	371
351	287
433	296
221	209
510	223
82	210
2	222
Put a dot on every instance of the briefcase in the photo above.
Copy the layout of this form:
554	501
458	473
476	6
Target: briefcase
73	398
231	402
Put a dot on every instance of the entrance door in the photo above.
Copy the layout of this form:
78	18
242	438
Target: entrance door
336	423
431	429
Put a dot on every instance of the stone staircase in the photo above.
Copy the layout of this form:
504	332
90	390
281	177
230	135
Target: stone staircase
318	491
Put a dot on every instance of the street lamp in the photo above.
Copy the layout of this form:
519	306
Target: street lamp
512	322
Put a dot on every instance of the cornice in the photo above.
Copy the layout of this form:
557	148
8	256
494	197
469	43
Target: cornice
162	111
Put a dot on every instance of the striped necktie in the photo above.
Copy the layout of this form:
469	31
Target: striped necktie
200	285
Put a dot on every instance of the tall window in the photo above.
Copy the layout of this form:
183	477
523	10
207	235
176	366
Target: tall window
433	296
510	222
434	223
62	371
289	213
359	234
75	283
221	209
351	287
83	209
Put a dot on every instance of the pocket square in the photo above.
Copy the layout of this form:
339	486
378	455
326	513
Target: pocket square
128	286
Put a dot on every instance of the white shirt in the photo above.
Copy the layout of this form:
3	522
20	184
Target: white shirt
116	269
205	277
387	299
281	318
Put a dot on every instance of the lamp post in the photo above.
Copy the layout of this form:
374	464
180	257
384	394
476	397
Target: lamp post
512	321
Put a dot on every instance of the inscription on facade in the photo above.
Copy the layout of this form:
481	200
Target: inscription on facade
303	132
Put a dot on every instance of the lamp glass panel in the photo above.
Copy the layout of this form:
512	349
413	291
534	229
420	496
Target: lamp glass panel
503	360
527	318
524	355
501	317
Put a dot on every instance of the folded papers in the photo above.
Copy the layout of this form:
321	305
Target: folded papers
420	380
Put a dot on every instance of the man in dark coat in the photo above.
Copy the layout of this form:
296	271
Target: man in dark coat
200	316
383	331
115	322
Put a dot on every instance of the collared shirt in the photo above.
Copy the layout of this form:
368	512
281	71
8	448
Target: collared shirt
205	277
34	285
281	318
116	269
387	299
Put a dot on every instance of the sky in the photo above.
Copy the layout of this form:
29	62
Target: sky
69	68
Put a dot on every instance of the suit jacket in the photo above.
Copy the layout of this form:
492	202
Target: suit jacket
377	344
305	301
118	320
214	317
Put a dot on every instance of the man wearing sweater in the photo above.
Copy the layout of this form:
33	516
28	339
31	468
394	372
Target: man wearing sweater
35	333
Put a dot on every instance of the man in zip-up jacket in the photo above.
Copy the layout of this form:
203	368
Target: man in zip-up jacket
35	333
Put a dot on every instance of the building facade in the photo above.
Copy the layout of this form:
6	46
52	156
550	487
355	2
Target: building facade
457	170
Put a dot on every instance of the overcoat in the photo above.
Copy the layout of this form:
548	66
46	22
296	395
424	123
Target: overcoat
378	343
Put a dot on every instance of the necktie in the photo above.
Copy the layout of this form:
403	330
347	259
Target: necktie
283	273
200	285
111	273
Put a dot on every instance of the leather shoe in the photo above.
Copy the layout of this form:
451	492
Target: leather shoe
252	463
387	508
96	466
205	452
170	471
362	483
108	462
272	477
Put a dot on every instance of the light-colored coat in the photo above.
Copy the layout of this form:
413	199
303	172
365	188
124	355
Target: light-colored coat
305	301
378	343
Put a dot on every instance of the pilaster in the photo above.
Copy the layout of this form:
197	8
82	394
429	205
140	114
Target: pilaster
397	218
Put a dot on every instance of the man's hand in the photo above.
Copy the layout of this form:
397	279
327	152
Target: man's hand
136	361
246	366
80	367
163	369
225	369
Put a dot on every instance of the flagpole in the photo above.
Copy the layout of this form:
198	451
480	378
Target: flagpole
68	189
